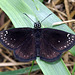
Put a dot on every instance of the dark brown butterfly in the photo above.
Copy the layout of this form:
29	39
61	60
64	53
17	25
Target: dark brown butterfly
29	43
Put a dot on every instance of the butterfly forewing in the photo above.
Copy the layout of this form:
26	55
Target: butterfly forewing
59	40
14	38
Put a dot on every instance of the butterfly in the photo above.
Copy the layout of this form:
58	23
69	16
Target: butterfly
29	43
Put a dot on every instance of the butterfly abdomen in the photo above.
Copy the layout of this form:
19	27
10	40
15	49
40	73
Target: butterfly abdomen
37	33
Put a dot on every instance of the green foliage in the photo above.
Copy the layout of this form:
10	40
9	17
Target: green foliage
20	71
73	70
41	0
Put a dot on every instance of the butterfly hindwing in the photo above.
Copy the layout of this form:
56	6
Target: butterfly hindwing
59	40
47	52
27	51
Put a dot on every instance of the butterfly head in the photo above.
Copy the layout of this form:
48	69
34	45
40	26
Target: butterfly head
37	25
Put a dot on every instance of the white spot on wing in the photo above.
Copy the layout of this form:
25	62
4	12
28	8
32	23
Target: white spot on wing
65	46
6	32
1	33
72	36
68	35
68	40
47	55
1	38
8	43
5	41
72	39
10	38
24	56
58	41
14	39
4	37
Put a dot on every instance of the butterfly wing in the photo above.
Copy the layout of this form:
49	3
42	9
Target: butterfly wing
14	38
47	52
59	40
21	40
54	42
27	51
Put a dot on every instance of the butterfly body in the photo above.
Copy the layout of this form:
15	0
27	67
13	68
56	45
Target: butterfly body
37	34
29	43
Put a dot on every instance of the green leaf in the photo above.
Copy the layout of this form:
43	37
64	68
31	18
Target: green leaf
55	68
37	11
15	10
73	70
72	51
41	0
20	71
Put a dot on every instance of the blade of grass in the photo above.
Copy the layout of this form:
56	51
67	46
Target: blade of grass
20	71
72	51
31	68
73	70
41	0
53	68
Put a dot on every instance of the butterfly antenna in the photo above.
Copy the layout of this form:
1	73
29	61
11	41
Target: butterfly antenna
46	17
28	16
